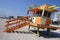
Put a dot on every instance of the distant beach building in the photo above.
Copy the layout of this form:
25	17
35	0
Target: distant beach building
55	17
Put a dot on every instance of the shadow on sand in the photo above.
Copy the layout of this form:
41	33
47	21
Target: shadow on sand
44	34
23	32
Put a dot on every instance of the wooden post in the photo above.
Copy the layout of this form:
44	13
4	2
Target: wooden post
38	32
29	27
43	13
48	32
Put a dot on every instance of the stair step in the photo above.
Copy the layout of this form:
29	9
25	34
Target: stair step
19	26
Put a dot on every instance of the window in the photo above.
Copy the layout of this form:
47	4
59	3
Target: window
47	14
38	14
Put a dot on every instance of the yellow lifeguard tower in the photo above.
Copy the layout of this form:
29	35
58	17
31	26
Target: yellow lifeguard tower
41	16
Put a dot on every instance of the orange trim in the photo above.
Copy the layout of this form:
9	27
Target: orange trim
38	20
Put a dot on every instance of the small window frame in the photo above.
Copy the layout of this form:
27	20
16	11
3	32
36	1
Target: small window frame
47	14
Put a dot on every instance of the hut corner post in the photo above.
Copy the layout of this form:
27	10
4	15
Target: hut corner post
48	32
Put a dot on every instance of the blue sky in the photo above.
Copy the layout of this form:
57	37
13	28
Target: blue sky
20	7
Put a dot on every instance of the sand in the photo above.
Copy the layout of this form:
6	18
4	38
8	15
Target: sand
24	34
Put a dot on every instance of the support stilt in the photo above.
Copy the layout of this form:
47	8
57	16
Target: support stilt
38	32
29	27
48	32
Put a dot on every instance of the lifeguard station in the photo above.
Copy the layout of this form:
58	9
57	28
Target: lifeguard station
40	19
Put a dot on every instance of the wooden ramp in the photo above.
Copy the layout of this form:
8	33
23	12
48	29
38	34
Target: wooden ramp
17	22
17	27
